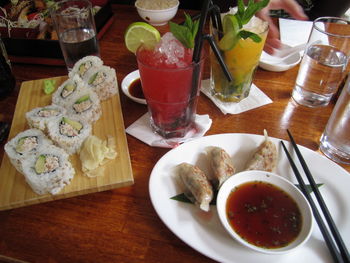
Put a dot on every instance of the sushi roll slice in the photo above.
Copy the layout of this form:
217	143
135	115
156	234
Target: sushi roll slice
103	80
38	117
85	106
82	66
68	88
68	133
48	171
24	144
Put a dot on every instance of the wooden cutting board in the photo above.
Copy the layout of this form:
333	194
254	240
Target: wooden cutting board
15	192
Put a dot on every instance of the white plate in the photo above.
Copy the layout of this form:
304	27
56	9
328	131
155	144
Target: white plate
130	78
204	232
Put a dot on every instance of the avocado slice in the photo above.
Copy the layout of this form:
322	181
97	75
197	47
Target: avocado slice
82	99
92	79
69	87
19	147
40	164
82	69
75	124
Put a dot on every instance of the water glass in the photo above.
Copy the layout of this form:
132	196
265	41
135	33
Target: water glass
335	140
75	26
324	62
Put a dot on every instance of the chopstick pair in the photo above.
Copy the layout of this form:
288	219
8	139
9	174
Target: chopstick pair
337	249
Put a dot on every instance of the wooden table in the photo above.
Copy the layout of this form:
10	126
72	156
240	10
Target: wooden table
121	225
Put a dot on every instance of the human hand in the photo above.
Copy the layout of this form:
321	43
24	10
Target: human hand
290	6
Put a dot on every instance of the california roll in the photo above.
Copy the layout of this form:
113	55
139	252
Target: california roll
48	171
82	66
68	133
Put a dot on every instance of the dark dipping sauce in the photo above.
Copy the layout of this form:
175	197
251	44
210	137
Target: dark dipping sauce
263	214
135	89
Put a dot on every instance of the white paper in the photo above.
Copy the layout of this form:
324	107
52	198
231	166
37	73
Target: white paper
256	99
294	32
142	130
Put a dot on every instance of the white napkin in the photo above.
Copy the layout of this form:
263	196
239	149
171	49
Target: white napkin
294	32
256	99
142	130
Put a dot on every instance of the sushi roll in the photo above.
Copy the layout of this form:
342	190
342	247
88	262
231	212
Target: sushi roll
68	133
68	88
85	106
103	80
82	66
24	144
38	117
48	171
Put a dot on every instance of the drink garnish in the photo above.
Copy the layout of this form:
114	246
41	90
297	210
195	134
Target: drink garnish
141	33
185	33
233	24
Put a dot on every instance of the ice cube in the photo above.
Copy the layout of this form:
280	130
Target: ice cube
171	49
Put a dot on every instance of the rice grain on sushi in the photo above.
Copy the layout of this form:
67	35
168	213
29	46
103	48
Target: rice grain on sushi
103	80
68	133
48	171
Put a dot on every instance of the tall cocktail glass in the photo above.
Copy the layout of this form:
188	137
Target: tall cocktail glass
169	85
242	60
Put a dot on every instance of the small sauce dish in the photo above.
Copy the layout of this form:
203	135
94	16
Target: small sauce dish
277	64
132	89
278	218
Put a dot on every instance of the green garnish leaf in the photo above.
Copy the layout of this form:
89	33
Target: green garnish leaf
247	34
49	86
185	33
182	197
252	8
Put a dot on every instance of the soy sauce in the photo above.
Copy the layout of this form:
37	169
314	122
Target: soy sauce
135	89
264	215
7	80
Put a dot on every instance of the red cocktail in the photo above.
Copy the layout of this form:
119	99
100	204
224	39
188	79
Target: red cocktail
170	86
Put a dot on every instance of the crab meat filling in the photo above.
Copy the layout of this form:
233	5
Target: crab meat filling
99	79
27	144
68	130
82	106
48	113
51	163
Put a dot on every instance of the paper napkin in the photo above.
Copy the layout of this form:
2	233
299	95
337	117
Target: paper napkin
256	99
294	32
142	130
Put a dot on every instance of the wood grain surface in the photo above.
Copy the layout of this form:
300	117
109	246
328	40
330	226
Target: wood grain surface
121	225
15	192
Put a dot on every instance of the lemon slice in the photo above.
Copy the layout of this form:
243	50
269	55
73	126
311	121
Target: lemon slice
231	28
139	33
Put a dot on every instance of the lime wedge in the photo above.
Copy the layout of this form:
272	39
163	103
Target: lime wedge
139	33
231	28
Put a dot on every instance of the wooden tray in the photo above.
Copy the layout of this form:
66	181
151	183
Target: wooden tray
15	192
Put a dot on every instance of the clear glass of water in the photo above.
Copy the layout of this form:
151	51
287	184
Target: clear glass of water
75	26
324	62
335	140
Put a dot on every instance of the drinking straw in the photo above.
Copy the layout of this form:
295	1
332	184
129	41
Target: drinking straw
199	37
217	53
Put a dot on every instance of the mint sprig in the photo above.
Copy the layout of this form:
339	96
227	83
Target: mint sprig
244	14
185	33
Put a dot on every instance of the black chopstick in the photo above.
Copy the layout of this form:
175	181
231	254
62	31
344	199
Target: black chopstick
344	256
337	237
